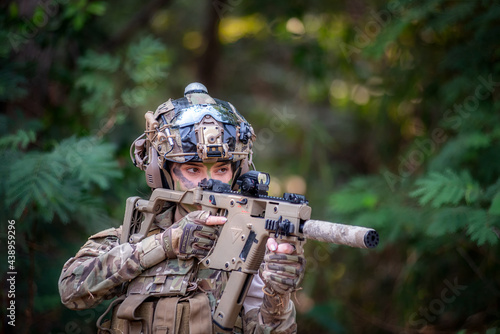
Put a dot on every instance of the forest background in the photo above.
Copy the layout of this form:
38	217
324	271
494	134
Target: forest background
383	113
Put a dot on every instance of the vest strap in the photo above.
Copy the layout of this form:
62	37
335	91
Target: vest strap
165	315
127	311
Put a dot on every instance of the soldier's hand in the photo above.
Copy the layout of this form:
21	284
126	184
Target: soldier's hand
283	267
195	234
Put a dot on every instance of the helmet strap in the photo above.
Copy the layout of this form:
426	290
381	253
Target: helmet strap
168	182
236	174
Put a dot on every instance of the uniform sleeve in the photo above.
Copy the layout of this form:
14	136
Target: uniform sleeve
285	324
266	314
102	265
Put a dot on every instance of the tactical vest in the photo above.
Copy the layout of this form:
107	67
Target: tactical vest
174	297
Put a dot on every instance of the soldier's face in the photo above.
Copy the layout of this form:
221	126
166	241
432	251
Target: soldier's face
188	175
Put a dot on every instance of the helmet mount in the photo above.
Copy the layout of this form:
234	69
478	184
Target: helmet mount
195	87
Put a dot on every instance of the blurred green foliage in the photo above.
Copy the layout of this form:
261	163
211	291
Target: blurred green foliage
387	111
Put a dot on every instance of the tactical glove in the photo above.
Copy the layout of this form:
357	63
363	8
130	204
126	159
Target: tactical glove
283	272
190	237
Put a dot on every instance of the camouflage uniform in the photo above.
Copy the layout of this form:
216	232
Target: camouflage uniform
103	269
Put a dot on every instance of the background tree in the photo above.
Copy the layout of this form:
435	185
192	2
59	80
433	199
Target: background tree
385	114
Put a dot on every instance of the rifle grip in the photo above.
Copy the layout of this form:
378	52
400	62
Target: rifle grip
232	300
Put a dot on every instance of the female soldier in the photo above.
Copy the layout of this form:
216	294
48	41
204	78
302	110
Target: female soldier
157	281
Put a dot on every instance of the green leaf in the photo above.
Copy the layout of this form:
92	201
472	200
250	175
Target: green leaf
53	183
79	21
495	205
448	220
478	140
439	189
32	183
101	93
480	230
21	139
147	61
88	160
99	61
97	8
353	199
482	233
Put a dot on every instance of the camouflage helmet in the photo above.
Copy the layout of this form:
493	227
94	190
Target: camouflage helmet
196	128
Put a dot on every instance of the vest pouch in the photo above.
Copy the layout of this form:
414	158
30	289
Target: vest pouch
137	322
168	278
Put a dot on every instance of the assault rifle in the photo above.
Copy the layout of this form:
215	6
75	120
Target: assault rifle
252	217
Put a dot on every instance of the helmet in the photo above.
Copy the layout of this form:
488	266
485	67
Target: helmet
195	128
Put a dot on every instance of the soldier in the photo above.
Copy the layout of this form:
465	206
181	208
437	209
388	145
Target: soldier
158	285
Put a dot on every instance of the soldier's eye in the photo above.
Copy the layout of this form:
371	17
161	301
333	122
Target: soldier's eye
223	170
193	170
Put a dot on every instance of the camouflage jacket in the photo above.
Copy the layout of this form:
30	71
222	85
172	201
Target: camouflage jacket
103	269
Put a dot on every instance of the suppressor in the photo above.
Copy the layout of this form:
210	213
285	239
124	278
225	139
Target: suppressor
354	236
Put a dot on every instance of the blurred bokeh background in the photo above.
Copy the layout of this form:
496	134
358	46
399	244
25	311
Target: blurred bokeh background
383	113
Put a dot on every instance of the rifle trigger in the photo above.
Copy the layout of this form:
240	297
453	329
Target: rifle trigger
212	200
243	201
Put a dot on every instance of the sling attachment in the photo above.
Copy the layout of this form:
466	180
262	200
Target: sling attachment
102	328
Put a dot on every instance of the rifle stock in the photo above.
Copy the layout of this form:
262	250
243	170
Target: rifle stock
251	220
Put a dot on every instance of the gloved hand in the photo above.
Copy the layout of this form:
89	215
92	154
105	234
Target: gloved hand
282	273
194	235
283	267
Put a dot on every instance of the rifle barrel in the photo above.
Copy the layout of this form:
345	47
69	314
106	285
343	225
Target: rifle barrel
354	236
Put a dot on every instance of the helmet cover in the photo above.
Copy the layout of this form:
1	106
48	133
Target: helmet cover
195	128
